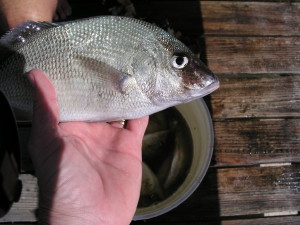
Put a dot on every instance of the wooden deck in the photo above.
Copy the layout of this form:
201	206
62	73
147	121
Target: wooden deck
254	48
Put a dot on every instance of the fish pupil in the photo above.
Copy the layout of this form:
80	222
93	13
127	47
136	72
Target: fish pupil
179	60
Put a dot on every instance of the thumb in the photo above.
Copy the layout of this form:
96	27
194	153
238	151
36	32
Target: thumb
45	107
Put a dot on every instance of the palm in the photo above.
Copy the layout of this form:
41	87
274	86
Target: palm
88	170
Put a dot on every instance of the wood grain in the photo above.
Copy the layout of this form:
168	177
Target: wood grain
253	55
25	209
224	17
265	96
250	18
249	141
290	220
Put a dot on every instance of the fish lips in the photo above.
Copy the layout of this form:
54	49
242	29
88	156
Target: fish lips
199	92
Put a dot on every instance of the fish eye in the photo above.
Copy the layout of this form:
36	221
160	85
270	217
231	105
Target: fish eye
179	62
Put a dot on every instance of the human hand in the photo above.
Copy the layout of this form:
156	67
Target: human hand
88	173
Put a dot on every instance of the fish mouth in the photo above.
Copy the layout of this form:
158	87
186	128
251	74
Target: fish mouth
211	88
196	93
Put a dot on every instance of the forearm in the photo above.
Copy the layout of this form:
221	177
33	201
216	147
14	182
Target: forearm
14	12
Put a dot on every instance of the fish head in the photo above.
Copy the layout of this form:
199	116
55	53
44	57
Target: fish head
196	79
182	77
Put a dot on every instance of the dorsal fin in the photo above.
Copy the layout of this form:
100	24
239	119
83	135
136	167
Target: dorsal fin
20	34
23	31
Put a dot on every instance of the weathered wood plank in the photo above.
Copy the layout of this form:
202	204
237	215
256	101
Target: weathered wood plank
257	96
250	18
25	223
25	209
234	55
249	141
223	193
224	17
290	220
264	190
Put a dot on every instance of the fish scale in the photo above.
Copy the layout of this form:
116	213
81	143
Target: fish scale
103	68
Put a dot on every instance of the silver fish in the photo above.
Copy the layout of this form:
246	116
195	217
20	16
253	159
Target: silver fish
152	143
151	190
104	68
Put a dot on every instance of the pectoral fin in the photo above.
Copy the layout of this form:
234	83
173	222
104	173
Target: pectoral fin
126	83
106	74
